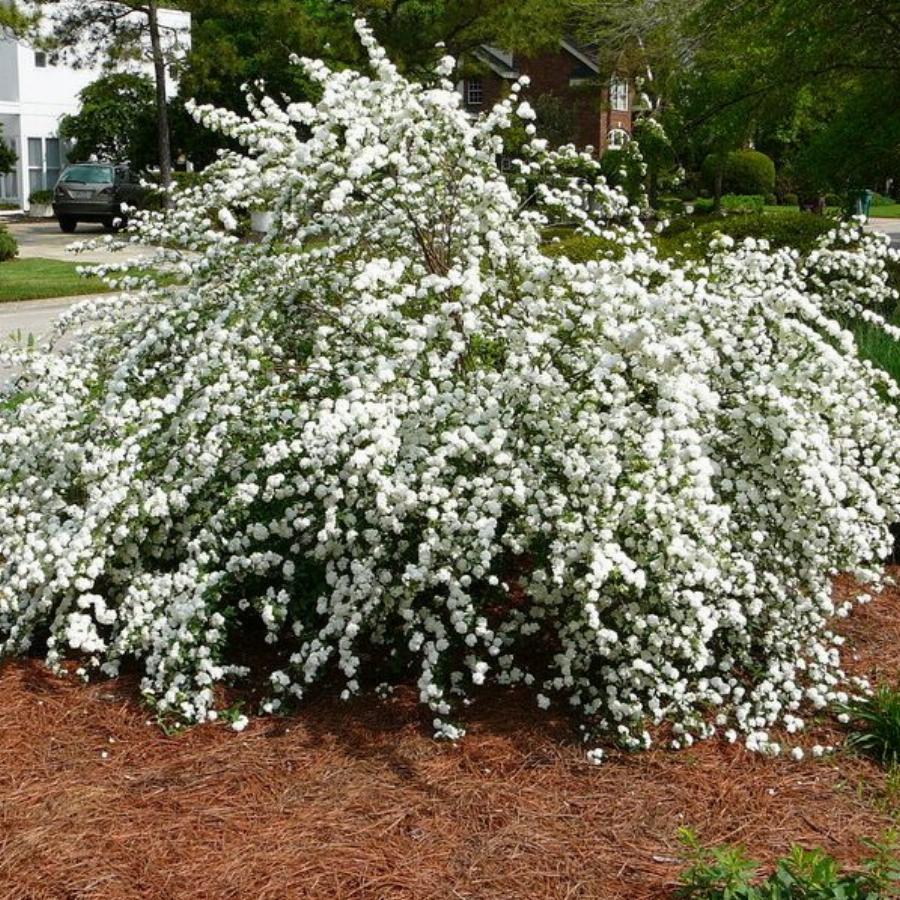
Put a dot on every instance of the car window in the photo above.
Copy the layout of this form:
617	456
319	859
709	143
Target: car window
88	174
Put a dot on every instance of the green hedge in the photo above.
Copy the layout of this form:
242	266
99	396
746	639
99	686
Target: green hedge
579	247
9	247
745	172
689	237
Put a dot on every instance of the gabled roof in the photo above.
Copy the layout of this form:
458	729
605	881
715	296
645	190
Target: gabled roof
584	53
494	59
503	64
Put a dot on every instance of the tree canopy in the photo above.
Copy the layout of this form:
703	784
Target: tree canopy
116	121
8	156
810	81
112	31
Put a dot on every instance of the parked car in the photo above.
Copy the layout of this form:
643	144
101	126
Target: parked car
95	192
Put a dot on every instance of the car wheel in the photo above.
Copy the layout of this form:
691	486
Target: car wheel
67	224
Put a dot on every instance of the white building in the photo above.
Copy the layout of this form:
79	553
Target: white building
35	96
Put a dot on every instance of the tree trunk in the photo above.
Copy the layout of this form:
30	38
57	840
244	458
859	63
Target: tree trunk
720	177
162	105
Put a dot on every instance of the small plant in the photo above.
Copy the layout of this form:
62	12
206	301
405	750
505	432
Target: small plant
878	725
41	198
728	873
725	872
9	247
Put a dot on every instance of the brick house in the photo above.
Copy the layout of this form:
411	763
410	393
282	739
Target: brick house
598	107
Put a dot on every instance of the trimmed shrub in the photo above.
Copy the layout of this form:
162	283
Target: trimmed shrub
9	247
771	200
583	248
794	200
745	172
835	201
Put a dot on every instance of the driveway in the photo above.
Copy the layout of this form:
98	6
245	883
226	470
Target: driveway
42	239
34	317
888	226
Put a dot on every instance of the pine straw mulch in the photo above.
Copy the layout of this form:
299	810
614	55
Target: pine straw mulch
356	800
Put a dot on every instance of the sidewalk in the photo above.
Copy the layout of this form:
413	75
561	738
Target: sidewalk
35	317
888	226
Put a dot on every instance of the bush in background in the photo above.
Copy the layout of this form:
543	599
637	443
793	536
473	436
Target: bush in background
690	236
743	172
41	198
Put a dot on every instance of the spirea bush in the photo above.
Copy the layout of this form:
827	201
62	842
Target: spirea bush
399	441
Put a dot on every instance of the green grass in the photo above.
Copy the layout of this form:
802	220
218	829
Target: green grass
886	212
40	279
879	348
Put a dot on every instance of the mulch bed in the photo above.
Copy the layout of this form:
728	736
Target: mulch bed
356	800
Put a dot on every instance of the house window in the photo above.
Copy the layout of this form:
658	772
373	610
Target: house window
44	163
52	160
618	94
40	59
35	164
474	92
616	139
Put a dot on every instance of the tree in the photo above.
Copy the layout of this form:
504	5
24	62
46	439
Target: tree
8	157
412	30
238	43
14	21
820	73
116	120
110	31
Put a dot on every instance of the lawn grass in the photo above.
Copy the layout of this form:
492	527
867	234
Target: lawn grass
879	348
885	212
40	279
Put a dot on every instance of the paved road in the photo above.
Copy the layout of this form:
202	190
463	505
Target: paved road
42	239
888	226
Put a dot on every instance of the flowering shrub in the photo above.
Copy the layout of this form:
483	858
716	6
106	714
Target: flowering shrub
396	438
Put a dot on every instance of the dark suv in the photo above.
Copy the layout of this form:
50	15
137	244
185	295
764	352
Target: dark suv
95	192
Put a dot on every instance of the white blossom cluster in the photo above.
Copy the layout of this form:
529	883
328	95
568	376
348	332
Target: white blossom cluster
396	440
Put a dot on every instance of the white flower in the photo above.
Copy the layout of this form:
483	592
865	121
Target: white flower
399	436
